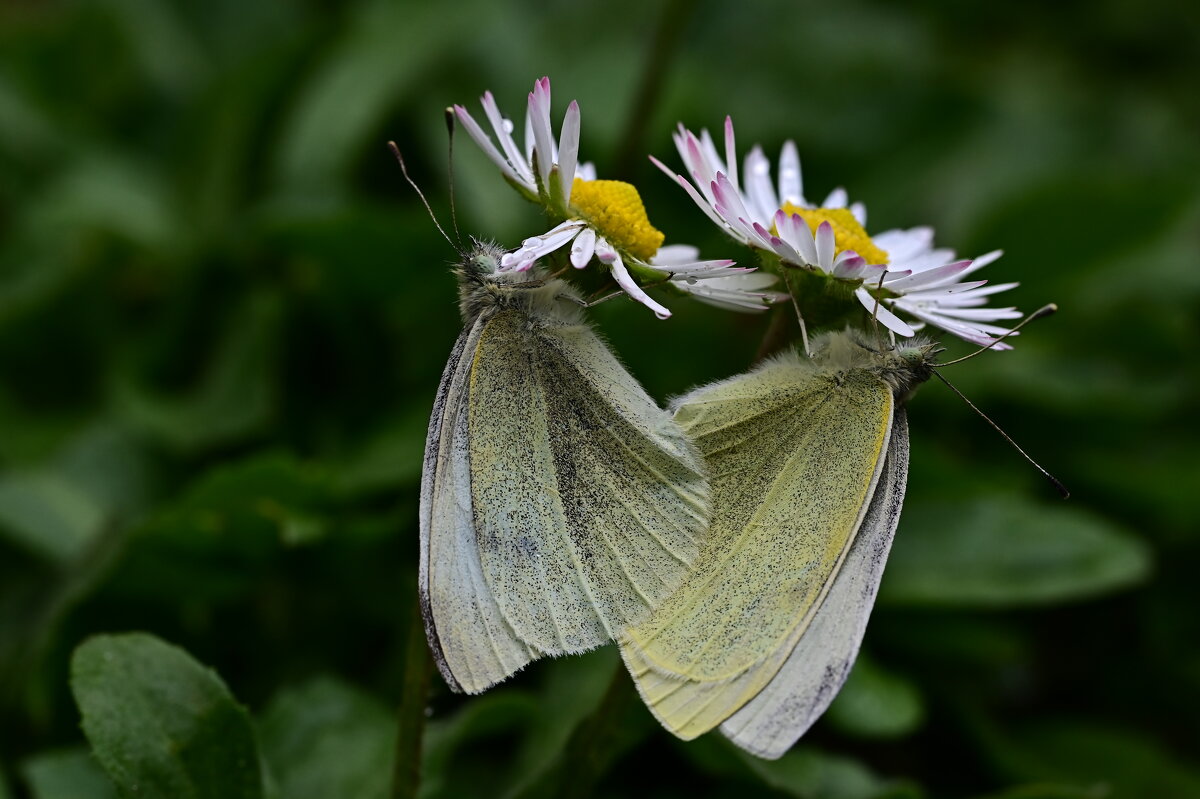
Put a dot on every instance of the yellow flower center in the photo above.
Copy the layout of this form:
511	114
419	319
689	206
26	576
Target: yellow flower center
847	233
615	210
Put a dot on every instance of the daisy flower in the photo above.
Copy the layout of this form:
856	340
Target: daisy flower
599	219
898	270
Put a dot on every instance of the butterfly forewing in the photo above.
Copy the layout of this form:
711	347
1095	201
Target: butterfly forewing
472	643
794	454
603	500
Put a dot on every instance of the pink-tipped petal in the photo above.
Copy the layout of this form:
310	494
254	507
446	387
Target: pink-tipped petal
627	284
825	246
543	136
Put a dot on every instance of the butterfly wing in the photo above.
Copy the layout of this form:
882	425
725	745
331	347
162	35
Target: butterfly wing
472	644
794	455
817	667
589	502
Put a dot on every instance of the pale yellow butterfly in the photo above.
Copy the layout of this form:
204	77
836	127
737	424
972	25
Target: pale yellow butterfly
559	503
808	461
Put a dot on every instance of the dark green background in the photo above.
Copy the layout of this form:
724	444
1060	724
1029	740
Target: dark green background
223	316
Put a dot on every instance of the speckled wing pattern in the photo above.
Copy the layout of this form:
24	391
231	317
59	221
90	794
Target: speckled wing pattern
818	665
794	454
564	504
472	644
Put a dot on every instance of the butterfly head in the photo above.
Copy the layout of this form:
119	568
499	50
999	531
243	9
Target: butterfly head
484	285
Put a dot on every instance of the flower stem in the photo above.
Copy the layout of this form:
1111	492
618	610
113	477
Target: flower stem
671	24
410	715
597	741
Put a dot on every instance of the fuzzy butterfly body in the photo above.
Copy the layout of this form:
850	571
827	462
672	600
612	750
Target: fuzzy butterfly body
559	503
808	461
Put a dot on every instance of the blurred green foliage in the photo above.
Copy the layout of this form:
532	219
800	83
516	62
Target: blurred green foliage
223	316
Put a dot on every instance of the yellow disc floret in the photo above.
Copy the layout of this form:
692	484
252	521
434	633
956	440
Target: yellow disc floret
847	233
616	212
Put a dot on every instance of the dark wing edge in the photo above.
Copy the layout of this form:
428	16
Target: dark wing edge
445	406
769	724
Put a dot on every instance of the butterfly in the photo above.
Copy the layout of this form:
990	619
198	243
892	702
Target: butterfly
808	460
559	503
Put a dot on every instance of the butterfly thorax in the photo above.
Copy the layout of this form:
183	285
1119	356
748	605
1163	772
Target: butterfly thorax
484	288
903	367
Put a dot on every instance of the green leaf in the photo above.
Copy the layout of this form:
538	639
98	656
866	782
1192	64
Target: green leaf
57	508
325	738
161	724
875	703
999	552
47	514
66	774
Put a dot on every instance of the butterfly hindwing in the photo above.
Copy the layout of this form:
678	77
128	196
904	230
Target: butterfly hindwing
818	665
588	510
794	454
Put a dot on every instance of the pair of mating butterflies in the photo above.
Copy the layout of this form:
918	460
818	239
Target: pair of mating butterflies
733	549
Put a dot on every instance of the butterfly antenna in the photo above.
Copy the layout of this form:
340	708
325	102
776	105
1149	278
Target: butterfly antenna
403	169
1045	310
1054	481
450	161
875	315
799	316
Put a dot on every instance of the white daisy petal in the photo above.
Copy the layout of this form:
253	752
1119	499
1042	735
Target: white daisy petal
791	185
630	287
484	142
885	316
760	194
568	150
708	150
543	136
825	246
795	231
859	211
836	199
928	278
676	254
583	248
503	128
730	151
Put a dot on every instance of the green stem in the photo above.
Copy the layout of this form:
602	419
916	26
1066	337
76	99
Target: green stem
410	715
596	742
667	34
778	334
